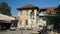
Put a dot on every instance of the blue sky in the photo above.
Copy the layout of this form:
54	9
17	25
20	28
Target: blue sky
40	3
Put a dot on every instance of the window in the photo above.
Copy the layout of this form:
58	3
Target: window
32	14
26	12
41	17
40	26
20	12
26	22
23	12
44	18
32	22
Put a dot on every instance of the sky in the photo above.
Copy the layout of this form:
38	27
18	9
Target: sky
14	4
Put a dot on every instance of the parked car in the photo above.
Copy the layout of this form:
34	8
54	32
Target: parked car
12	28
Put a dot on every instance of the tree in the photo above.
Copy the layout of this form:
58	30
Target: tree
58	10
58	13
5	9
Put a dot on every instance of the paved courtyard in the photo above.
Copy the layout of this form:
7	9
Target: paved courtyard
22	32
17	32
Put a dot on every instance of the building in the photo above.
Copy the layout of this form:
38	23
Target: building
27	15
43	14
33	16
6	20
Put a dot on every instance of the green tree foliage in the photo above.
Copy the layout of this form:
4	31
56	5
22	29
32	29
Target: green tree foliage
5	9
58	10
58	13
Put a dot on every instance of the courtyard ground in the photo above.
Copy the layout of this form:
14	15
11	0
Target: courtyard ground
23	32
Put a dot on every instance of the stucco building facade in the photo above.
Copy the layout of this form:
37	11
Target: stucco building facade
27	16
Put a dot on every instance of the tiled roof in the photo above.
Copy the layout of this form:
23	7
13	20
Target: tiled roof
48	8
27	6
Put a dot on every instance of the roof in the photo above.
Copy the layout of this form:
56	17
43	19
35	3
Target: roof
5	17
28	6
48	8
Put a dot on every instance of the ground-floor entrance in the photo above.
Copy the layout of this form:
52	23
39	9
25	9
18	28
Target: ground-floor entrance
5	25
